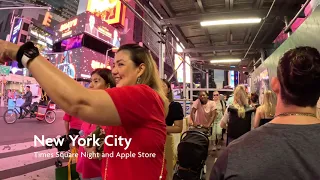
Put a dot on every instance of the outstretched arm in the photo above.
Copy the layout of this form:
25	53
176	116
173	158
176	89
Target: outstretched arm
93	106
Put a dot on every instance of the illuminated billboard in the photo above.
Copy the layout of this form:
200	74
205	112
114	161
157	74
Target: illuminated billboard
110	11
16	30
90	24
79	63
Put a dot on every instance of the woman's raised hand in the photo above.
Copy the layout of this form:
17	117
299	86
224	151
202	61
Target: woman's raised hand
8	51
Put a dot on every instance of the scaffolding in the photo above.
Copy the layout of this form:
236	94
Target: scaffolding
166	44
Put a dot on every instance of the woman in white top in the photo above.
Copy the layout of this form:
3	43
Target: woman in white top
266	111
216	129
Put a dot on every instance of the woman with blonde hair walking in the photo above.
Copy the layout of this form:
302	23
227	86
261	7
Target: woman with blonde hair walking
266	111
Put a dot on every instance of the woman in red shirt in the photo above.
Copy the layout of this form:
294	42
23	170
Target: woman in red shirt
134	111
90	169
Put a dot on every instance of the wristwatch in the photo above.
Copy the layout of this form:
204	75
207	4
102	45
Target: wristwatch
26	53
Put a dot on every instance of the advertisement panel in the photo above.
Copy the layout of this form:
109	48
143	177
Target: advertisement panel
79	62
16	30
109	11
90	24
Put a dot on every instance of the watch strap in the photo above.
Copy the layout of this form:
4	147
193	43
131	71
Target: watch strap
26	57
24	60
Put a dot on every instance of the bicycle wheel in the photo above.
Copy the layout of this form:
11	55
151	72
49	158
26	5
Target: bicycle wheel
50	117
10	116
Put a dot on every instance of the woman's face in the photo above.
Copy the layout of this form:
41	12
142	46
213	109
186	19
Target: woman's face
165	88
125	72
216	96
203	97
97	82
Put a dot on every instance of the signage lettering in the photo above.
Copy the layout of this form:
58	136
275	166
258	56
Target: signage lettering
68	25
95	64
66	34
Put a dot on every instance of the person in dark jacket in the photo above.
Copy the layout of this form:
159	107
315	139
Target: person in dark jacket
27	102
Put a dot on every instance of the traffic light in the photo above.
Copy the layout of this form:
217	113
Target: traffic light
47	19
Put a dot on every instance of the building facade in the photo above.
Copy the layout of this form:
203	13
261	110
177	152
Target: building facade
63	8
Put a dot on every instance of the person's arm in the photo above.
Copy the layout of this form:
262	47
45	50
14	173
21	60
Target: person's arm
178	118
66	126
67	119
257	118
225	120
193	115
213	113
177	128
93	106
194	110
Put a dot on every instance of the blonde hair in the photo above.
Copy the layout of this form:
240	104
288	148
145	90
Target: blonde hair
269	104
240	100
140	55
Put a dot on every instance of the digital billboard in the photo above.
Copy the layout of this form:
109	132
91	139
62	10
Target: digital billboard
72	43
16	30
90	24
79	63
110	11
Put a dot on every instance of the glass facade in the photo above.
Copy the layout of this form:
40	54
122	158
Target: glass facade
64	8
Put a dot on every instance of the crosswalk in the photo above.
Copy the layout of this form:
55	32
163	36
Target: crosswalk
26	161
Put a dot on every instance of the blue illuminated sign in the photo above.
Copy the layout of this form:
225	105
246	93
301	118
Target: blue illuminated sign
16	31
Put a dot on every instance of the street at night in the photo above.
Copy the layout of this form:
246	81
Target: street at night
159	89
17	151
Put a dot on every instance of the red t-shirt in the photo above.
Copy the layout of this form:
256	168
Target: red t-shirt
141	111
74	123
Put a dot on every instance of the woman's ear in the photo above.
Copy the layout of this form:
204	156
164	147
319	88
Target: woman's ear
275	85
142	68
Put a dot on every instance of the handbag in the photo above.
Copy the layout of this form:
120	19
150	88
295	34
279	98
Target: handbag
68	172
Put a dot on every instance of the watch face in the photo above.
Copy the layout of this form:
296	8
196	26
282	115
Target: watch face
31	53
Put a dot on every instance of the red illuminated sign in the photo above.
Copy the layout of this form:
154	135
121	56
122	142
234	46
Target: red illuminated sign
111	11
68	25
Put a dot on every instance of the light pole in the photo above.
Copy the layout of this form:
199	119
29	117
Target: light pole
107	57
113	49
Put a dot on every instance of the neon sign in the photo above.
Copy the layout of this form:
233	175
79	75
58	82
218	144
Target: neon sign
110	11
96	64
68	25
